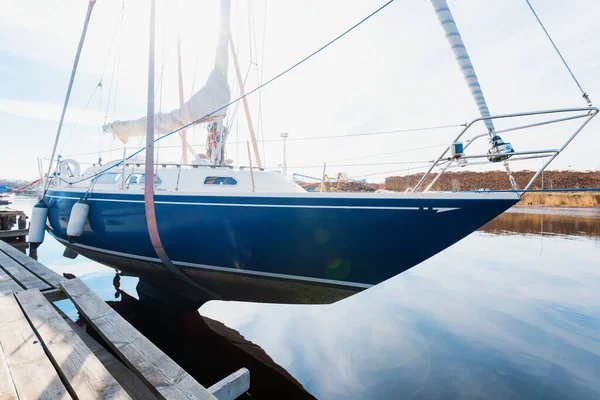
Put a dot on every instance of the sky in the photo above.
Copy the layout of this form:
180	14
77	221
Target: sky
395	72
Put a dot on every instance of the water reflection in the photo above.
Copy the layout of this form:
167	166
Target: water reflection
512	311
561	221
206	348
495	316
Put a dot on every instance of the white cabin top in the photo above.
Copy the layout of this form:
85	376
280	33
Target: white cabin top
197	179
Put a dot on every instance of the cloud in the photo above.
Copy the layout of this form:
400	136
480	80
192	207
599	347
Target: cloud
50	112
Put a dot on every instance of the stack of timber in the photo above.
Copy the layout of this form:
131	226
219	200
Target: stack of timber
342	186
497	180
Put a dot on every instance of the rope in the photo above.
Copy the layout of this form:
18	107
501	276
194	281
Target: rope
585	95
251	91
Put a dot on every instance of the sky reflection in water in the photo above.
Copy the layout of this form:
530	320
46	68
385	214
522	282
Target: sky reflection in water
512	311
510	315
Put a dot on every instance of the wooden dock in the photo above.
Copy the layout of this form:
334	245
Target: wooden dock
44	355
9	218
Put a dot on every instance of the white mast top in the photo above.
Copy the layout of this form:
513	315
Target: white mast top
442	11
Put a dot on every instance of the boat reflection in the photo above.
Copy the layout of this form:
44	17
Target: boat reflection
204	347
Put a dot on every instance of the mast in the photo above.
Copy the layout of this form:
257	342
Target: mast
245	101
183	133
444	15
73	71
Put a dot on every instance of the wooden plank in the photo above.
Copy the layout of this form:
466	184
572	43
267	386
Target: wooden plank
83	373
53	295
14	233
7	285
162	375
129	381
41	271
232	386
32	372
21	274
7	387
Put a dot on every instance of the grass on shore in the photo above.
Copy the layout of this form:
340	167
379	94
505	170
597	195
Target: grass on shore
589	199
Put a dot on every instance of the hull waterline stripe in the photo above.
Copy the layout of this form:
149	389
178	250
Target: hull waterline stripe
437	209
220	269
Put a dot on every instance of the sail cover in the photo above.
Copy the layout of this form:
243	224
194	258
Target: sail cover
442	11
212	96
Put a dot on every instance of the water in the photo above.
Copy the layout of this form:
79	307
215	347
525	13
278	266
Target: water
512	311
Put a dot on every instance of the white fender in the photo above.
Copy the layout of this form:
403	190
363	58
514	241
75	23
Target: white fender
37	224
69	168
77	219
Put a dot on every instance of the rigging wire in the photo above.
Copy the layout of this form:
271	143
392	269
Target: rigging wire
411	130
585	95
391	171
429	128
259	75
195	70
428	162
78	119
114	77
284	72
160	85
115	66
118	61
249	12
392	152
238	91
234	113
118	25
69	88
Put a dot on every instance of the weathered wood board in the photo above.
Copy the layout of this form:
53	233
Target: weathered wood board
83	373
32	372
41	271
157	369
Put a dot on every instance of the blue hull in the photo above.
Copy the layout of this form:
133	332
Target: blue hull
341	241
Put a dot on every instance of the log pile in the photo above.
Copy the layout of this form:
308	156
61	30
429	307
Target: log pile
497	180
343	186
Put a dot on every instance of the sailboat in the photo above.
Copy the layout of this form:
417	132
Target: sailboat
246	233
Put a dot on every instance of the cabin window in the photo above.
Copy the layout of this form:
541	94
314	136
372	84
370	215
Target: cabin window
141	178
107	178
220	180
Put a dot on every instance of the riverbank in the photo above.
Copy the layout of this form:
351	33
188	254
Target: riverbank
564	199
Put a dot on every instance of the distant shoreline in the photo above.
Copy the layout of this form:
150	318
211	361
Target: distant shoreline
566	199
